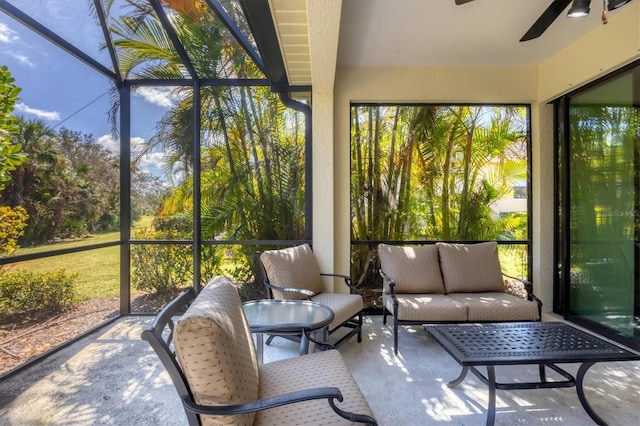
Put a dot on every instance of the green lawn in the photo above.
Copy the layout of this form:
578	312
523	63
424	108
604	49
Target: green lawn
98	270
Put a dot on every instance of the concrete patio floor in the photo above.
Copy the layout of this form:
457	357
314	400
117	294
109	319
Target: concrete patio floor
114	378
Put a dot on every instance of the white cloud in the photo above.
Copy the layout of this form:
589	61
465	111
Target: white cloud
110	143
166	97
44	115
136	143
7	35
23	59
152	162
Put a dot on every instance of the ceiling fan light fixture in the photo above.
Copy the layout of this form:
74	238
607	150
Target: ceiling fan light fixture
614	4
579	8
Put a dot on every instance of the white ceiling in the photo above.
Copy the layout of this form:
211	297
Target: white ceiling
441	33
414	33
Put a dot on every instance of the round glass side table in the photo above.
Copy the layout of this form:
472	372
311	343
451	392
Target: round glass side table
286	317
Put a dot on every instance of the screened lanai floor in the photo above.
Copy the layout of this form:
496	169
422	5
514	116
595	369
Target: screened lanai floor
112	377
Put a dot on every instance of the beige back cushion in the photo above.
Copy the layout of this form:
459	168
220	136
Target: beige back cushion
294	267
413	269
215	349
470	268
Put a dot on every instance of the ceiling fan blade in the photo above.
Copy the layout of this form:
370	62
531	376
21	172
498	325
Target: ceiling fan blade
548	16
458	2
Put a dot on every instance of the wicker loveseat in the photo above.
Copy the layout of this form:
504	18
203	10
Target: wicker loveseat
216	373
446	282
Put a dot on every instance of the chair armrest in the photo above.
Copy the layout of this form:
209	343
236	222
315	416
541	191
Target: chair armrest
518	284
347	281
329	393
528	286
306	293
388	285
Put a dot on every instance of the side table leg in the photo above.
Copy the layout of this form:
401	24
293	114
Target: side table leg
260	347
304	343
455	382
312	343
491	412
581	396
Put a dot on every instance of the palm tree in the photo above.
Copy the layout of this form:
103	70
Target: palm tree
432	172
251	147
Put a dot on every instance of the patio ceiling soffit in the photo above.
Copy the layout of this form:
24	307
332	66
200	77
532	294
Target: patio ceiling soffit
280	30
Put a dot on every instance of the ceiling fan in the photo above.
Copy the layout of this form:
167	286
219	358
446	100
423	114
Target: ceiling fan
578	9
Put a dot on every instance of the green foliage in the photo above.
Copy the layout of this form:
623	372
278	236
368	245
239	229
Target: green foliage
434	172
10	154
13	220
252	146
69	186
164	268
26	291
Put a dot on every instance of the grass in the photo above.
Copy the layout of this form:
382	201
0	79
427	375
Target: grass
98	270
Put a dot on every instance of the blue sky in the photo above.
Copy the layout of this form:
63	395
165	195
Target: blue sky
61	91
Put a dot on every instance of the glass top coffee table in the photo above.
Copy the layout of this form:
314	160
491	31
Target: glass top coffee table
298	317
543	343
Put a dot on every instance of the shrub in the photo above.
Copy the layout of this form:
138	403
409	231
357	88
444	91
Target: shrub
163	268
13	221
26	291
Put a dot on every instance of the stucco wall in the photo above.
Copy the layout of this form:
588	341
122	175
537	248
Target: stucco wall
445	85
603	50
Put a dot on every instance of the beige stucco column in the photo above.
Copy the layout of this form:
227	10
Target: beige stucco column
543	207
324	32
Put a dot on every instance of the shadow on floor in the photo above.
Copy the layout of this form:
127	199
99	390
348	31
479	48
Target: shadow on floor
113	377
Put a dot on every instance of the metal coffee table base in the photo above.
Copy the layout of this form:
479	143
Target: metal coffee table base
490	380
545	344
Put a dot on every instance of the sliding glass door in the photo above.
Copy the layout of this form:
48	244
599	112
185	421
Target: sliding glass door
600	203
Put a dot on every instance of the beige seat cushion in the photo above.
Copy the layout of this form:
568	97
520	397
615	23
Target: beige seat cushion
496	306
414	269
427	307
215	348
315	370
344	306
468	268
294	267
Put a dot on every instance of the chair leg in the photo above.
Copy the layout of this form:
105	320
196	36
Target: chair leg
360	327
384	316
395	334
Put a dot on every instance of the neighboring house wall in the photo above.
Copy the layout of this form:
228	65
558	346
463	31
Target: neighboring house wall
601	51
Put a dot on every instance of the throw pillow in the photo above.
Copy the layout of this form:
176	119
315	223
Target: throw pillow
470	268
414	269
